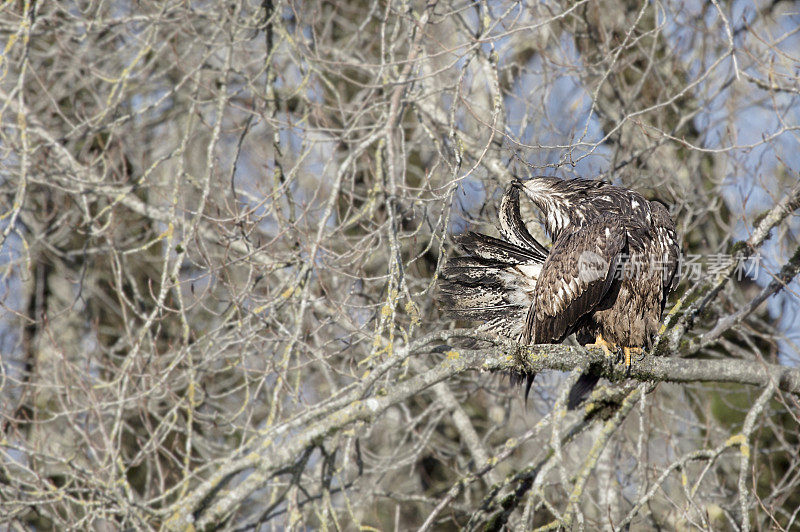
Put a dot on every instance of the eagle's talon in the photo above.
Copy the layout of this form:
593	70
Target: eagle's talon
605	346
629	352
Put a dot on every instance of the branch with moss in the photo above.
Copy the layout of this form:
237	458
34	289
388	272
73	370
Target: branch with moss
651	368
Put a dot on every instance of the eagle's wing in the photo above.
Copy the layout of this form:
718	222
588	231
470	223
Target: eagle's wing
493	249
511	225
574	279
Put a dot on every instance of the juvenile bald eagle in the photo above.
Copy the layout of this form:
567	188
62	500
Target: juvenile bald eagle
613	261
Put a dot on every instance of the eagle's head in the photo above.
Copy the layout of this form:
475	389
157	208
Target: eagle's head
561	201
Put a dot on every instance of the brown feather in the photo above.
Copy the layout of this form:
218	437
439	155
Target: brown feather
575	278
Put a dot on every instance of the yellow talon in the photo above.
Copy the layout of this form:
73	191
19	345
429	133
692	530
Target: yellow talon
602	344
628	352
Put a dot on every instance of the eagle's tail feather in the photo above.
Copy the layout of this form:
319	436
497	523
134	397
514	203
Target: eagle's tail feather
516	378
583	387
493	283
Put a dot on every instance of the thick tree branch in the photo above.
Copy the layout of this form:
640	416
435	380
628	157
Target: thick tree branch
651	368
